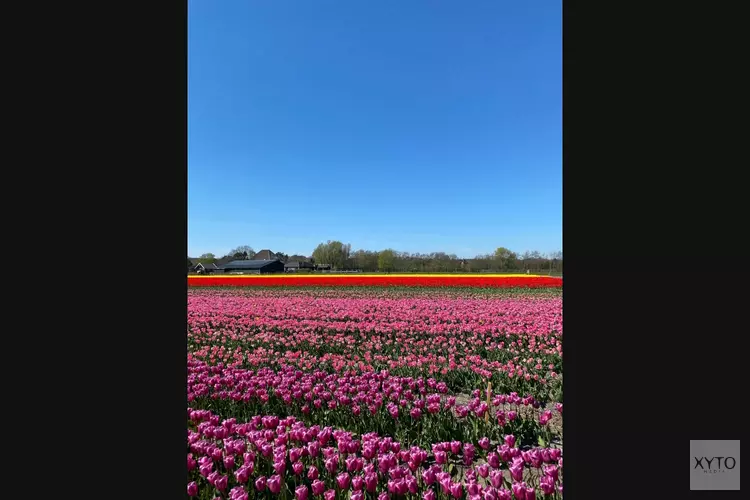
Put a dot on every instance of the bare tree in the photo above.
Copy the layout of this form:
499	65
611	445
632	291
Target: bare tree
242	252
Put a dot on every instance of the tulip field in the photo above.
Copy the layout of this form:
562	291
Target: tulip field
410	387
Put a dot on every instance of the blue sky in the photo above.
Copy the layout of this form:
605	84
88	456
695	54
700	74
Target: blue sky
420	125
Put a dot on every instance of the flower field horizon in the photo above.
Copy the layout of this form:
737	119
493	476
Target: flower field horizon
415	386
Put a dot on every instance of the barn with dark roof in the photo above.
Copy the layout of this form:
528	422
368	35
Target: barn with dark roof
253	267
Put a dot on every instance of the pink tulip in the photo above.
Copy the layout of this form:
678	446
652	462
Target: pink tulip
547	485
242	475
496	478
206	469
516	471
535	457
368	452
401	487
312	472
329	495
371	482
274	484
298	468
428	476
342	480
238	493
440	457
457	490
221	483
484	443
469	452
503	494
300	493
324	436
358	483
483	470
260	483
428	495
318	487
455	447
551	471
353	446
545	417
412	485
192	489
519	491
445	482
510	440
279	466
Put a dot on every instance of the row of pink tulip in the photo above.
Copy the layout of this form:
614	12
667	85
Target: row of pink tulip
514	343
402	406
284	457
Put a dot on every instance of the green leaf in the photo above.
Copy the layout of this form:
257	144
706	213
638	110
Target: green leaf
541	442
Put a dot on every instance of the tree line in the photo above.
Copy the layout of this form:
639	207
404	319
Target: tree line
340	257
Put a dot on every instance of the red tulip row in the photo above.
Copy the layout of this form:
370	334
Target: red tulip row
376	281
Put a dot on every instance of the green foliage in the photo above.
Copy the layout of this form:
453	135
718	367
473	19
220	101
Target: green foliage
386	260
334	253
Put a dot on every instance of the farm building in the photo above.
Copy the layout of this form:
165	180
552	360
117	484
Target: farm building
253	267
265	255
296	266
201	268
224	260
322	267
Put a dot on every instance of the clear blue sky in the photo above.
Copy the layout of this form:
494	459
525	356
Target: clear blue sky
419	125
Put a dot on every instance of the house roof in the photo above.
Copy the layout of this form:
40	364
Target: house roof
264	255
206	266
248	264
